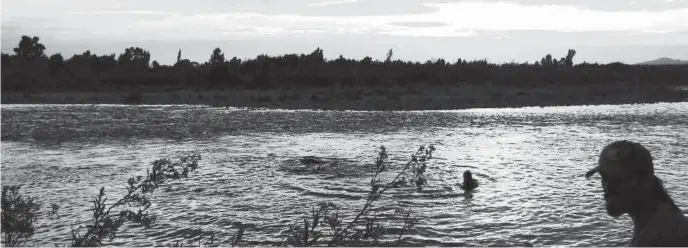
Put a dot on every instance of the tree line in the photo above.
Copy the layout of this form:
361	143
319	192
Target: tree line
29	69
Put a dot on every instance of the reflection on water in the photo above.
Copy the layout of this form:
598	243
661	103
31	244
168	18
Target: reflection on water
530	163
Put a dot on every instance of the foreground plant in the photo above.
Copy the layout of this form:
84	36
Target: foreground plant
18	215
327	223
107	218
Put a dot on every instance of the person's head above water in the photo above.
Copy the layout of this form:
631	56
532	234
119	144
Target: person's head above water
627	170
468	182
631	187
467	176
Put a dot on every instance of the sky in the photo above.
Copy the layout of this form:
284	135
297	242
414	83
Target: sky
602	31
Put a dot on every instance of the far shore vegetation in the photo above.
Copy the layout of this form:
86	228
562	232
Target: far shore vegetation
310	81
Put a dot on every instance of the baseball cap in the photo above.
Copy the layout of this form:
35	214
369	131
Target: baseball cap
623	157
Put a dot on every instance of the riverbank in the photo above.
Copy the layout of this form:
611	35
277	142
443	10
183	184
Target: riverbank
389	98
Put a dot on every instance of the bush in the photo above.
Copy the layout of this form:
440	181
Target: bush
18	215
326	225
105	222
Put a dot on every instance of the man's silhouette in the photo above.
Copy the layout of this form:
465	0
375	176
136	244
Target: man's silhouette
631	187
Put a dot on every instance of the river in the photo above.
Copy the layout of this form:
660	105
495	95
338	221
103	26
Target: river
530	164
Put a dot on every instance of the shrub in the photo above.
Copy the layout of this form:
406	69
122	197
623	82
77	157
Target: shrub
106	222
327	225
18	215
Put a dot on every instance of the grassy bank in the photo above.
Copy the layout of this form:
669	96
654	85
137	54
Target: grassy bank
379	98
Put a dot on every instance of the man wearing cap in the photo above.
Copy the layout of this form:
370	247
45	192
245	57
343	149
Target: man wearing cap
630	186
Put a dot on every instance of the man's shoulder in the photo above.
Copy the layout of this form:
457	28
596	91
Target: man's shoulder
669	228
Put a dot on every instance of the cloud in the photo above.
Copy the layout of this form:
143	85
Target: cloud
46	8
419	24
510	16
449	20
452	19
257	24
124	12
331	2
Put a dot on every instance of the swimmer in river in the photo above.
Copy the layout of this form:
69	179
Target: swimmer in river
631	187
469	183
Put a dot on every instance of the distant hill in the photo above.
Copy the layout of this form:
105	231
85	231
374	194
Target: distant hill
664	61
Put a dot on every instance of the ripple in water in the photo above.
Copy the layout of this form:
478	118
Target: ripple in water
530	162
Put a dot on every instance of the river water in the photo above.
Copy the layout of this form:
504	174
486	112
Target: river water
529	162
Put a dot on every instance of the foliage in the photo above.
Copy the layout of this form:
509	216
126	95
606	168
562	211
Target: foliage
388	58
54	207
217	57
29	48
567	61
18	216
136	56
29	70
328	226
106	219
19	213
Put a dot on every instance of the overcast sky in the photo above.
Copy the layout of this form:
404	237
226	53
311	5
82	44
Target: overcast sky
500	31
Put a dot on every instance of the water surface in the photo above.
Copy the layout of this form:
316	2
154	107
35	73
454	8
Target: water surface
530	162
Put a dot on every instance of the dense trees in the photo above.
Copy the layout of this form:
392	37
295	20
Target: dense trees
28	69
